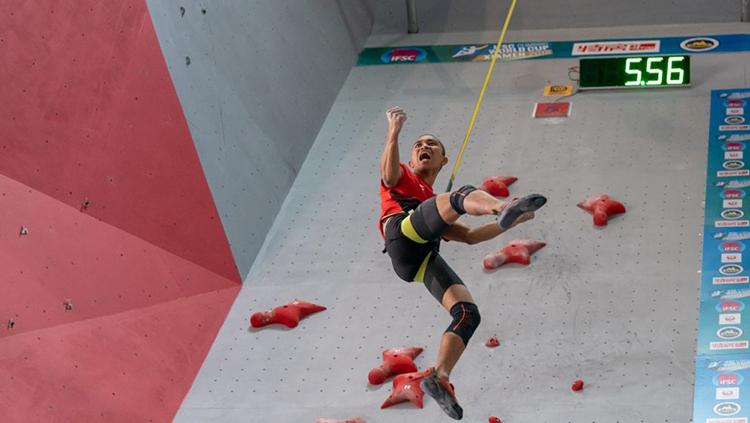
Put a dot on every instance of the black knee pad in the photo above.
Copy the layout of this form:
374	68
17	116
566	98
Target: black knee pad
466	319
457	198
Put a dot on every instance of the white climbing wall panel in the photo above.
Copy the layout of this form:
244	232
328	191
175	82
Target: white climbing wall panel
616	307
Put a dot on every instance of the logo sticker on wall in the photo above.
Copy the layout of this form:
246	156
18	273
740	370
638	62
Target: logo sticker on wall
728	379
728	333
734	103
735	111
730	194
734	120
733	137
404	55
699	44
726	409
733	146
733	164
732	214
731	247
726	306
616	47
731	269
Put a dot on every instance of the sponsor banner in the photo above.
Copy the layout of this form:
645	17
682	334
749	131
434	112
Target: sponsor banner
726	261
723	362
728	176
722	394
609	48
727	207
724	324
508	51
480	52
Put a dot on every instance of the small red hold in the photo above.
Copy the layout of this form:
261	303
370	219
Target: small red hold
494	419
492	342
396	361
518	251
602	207
288	315
354	420
577	385
406	388
498	185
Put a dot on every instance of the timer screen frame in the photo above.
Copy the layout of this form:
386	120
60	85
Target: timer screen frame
663	71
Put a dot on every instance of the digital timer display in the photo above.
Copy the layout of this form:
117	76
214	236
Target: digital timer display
635	72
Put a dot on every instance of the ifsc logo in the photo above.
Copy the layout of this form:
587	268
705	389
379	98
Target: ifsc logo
731	247
732	194
732	214
734	103
730	332
404	55
726	306
728	379
733	146
727	409
699	44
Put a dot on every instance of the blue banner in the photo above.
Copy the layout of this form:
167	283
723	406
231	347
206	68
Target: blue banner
479	52
723	362
719	385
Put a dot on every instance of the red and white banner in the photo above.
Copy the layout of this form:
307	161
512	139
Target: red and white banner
616	47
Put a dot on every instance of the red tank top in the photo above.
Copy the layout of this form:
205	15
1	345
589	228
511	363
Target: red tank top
406	195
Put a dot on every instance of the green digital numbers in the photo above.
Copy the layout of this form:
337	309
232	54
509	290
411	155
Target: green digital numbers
650	69
673	69
654	71
634	72
630	71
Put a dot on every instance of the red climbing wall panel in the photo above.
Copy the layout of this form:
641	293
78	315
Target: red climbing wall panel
128	367
89	111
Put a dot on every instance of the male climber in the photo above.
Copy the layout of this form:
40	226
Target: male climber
413	221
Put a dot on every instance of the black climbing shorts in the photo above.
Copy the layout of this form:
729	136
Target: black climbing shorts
412	241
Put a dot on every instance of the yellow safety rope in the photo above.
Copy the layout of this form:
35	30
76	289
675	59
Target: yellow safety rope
481	96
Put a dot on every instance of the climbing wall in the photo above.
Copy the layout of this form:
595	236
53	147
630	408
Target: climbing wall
616	307
115	270
256	80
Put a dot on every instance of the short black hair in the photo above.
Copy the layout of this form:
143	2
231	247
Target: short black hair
432	137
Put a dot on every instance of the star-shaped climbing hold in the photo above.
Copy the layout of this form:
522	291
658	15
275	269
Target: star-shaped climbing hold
288	315
518	251
396	361
602	207
498	185
406	388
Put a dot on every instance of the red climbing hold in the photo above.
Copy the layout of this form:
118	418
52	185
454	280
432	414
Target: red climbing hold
602	207
396	361
518	251
498	185
288	315
494	419
406	388
492	342
354	420
577	385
